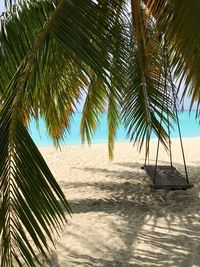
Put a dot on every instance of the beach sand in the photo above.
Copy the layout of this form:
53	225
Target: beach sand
118	220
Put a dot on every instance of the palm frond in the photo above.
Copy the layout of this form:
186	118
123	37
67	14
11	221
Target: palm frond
94	106
18	32
120	57
179	22
27	209
114	120
147	100
103	96
33	207
67	36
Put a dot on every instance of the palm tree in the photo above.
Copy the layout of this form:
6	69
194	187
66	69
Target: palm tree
53	52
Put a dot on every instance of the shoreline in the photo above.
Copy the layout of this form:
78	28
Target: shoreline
116	142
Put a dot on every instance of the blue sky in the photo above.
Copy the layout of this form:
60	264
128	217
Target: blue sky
2	7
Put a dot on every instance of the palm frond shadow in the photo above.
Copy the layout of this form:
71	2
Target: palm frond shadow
170	212
129	164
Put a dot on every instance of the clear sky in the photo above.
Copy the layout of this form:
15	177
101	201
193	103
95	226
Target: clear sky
2	7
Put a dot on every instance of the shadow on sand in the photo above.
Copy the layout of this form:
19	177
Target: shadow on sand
159	227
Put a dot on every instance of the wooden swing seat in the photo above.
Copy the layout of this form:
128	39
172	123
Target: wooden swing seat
167	177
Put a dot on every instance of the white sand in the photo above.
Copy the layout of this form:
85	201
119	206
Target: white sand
118	220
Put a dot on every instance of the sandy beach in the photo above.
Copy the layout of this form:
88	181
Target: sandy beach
118	220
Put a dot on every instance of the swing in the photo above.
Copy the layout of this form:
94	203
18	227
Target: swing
164	176
168	177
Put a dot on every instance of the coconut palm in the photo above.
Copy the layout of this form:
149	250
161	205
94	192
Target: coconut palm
54	52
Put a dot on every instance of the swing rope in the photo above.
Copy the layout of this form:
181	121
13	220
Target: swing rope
173	95
177	120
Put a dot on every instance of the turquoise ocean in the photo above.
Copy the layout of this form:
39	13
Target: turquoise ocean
189	128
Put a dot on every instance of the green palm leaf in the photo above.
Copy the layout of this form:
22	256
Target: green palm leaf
120	57
94	106
61	45
27	209
148	97
33	203
179	22
101	96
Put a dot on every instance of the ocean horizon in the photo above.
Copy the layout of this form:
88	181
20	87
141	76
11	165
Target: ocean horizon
188	123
